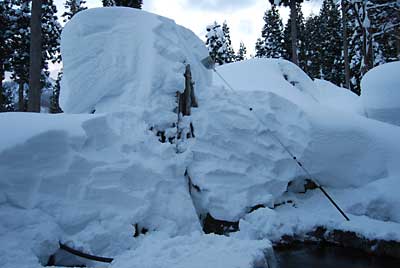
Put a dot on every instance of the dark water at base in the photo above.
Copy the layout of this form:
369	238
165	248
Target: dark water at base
326	256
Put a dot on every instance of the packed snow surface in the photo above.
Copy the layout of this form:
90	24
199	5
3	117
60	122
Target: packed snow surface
122	58
196	251
92	181
338	98
380	89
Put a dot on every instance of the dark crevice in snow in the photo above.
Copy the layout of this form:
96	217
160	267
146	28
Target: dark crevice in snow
254	208
221	227
284	203
191	188
140	230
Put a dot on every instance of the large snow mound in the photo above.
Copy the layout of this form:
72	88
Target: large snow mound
86	180
123	58
238	164
380	93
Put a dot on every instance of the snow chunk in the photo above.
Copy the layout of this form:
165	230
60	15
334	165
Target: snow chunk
118	59
380	93
269	75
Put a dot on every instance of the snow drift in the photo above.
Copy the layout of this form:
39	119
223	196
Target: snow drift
239	164
380	93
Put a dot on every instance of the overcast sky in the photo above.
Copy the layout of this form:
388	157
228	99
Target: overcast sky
244	17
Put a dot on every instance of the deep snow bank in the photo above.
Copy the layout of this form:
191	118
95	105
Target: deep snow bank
86	180
380	93
91	178
118	59
238	164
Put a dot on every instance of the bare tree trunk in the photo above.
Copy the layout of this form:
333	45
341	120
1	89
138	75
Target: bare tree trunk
35	67
293	18
345	46
21	101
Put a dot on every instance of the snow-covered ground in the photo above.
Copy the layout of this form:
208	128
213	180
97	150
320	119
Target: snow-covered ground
90	180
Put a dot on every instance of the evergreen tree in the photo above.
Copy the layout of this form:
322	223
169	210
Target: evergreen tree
229	52
215	43
312	47
108	3
8	99
385	30
299	44
20	60
241	55
272	33
332	68
293	4
6	20
54	99
123	3
260	48
21	45
72	7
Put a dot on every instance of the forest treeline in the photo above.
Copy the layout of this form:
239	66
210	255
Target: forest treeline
340	44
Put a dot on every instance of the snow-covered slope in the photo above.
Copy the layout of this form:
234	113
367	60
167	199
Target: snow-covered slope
380	93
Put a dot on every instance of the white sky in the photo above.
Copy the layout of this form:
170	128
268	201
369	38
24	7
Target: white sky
244	17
